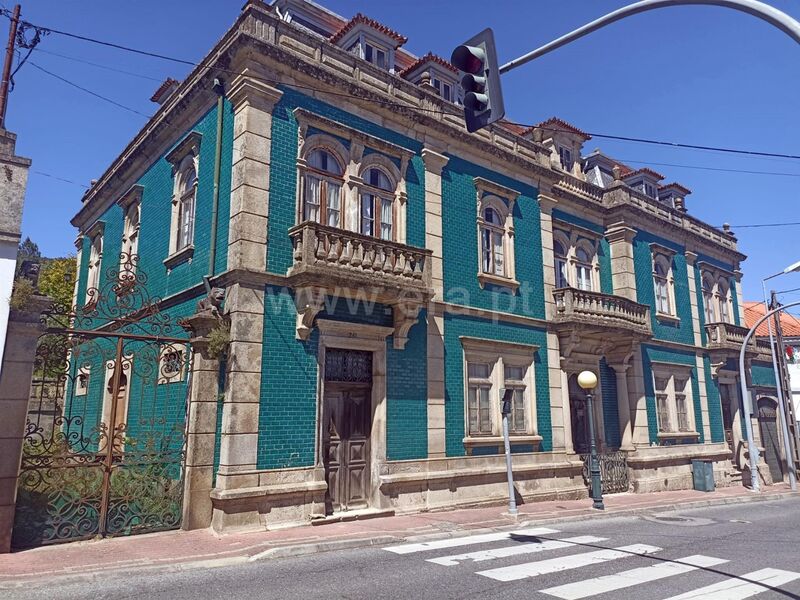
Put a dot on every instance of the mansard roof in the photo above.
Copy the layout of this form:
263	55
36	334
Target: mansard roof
645	171
556	124
429	57
677	187
376	25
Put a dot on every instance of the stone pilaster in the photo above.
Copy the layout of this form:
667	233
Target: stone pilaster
546	205
434	163
201	427
623	273
566	416
559	403
638	400
691	259
24	329
701	384
623	405
739	296
253	101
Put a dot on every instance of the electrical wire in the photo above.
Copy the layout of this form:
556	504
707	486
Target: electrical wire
43	174
698	167
98	65
759	225
88	91
398	105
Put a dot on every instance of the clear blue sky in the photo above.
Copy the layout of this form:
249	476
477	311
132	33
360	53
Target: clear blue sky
700	75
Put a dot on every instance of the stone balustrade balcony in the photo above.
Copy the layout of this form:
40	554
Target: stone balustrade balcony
337	262
727	336
598	311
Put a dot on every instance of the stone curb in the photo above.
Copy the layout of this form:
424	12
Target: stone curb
297	550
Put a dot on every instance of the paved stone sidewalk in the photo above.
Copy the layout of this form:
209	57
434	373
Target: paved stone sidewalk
177	550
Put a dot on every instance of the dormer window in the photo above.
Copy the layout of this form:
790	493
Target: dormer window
375	54
565	154
435	70
370	40
650	190
445	89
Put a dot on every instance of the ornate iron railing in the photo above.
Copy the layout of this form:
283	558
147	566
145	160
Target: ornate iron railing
595	308
317	246
613	472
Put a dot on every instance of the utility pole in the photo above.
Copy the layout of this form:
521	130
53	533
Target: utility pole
789	425
12	35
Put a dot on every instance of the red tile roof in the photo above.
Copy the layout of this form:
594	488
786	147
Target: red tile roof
168	83
677	187
753	311
429	57
556	124
644	171
360	18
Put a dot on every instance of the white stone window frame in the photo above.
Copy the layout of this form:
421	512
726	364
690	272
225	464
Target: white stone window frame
131	205
717	293
664	256
573	237
95	263
184	156
672	373
164	377
498	355
355	163
399	198
502	200
84	372
562	239
336	149
121	416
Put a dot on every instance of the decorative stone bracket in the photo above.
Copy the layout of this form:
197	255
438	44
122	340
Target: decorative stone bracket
404	315
309	302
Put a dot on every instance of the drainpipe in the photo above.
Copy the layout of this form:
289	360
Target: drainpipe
219	88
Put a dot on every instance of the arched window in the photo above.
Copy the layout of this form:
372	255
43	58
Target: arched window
322	187
708	299
377	204
187	193
723	294
130	234
95	258
661	285
560	256
583	269
492	243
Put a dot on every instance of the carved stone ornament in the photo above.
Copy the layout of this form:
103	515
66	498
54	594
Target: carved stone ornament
405	315
209	315
309	302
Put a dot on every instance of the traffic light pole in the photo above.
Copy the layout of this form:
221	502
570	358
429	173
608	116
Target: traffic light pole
752	7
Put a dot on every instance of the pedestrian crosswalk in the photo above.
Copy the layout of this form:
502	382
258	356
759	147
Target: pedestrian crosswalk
572	554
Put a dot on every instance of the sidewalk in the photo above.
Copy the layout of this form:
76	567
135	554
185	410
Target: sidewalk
179	550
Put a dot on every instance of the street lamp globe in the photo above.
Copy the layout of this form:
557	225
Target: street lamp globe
587	380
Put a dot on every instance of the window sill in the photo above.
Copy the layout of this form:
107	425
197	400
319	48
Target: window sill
665	318
506	282
182	255
673	438
497	440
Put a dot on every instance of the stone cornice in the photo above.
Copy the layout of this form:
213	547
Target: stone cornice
190	144
133	195
484	185
434	161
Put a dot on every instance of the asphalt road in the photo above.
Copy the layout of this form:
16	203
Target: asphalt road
714	552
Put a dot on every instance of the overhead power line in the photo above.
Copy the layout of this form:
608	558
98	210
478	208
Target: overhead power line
56	177
88	91
98	65
757	225
392	103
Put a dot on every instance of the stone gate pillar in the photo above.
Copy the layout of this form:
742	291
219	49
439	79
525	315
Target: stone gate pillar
202	425
24	329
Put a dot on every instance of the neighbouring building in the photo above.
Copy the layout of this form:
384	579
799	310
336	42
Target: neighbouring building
386	274
12	195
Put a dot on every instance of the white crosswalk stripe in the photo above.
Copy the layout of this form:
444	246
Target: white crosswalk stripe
624	579
741	587
468	540
565	563
506	551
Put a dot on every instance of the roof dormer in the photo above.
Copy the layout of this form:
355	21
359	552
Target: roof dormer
674	195
370	40
309	15
598	168
565	142
436	71
645	181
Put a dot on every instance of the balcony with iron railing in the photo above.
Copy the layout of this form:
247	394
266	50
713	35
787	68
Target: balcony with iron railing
334	258
604	311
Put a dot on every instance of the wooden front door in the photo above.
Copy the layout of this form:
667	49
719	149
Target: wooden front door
346	433
768	425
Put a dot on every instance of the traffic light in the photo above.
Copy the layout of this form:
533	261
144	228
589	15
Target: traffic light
483	98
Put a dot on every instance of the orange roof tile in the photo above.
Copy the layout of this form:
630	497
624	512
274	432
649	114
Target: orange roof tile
677	187
644	170
556	124
429	57
753	311
360	18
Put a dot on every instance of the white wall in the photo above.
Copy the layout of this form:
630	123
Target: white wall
8	262
794	378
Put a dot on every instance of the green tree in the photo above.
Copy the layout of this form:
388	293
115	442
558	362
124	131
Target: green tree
57	278
28	250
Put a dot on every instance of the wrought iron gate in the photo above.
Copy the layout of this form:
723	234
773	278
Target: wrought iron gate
104	445
613	471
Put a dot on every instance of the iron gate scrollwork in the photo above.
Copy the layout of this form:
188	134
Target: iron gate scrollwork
613	471
104	446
